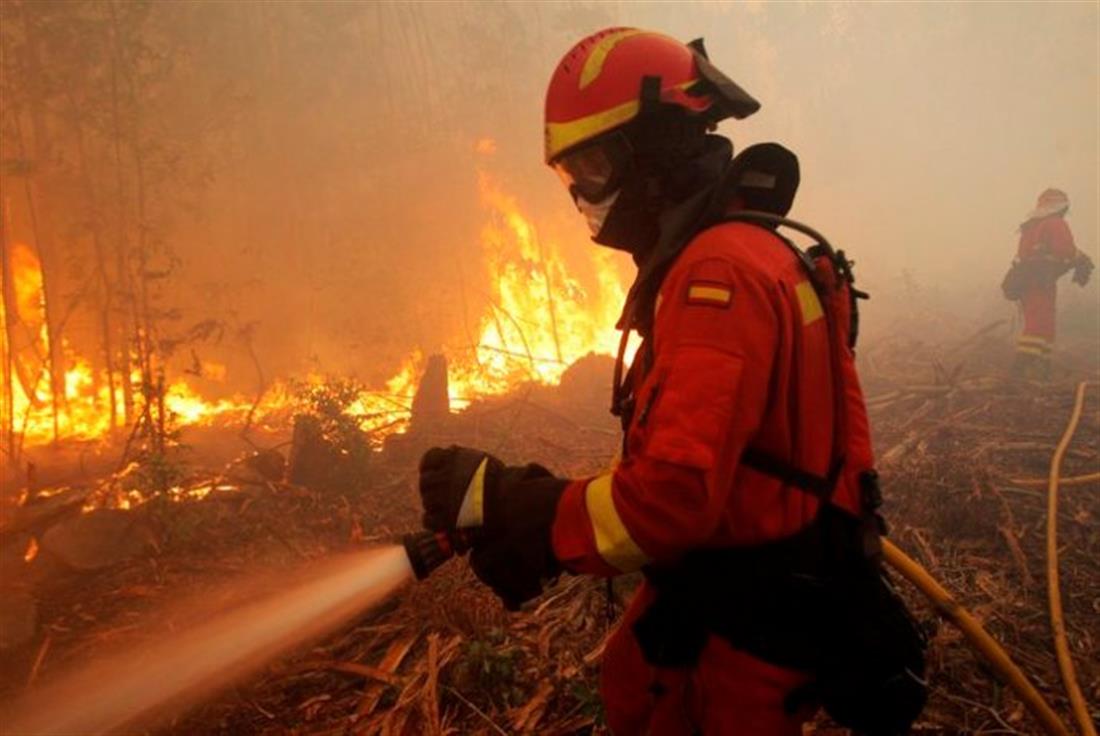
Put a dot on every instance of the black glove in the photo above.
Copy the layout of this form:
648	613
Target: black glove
505	511
1082	269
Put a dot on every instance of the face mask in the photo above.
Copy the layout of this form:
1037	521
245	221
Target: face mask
629	220
595	213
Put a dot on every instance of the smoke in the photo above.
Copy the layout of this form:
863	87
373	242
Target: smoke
318	182
925	132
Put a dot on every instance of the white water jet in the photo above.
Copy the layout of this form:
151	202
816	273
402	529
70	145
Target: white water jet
137	685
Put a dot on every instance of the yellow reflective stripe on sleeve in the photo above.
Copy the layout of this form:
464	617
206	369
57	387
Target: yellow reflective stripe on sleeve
613	541
1030	350
593	65
472	511
1031	343
808	302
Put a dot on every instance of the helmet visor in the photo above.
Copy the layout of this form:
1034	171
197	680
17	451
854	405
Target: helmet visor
596	170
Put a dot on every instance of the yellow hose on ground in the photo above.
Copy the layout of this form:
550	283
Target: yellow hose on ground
1074	480
1054	592
950	609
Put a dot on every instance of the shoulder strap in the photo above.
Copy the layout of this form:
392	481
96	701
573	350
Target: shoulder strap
784	470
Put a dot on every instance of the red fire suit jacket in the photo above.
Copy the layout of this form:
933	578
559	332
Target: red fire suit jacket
741	359
1047	250
1047	237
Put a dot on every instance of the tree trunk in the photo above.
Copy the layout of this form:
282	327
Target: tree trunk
122	227
100	262
43	234
146	327
7	290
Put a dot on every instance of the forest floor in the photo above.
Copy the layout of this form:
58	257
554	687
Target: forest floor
959	443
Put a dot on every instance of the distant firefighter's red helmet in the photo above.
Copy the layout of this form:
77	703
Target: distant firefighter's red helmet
1051	202
602	84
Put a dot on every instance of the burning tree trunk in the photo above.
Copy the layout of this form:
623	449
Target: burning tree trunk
23	348
121	228
43	240
124	69
105	285
7	343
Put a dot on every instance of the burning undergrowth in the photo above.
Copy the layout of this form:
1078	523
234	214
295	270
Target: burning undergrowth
537	313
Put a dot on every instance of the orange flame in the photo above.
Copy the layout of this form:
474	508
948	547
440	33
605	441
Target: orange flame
25	336
542	314
541	318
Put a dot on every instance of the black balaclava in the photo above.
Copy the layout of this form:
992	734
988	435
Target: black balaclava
674	159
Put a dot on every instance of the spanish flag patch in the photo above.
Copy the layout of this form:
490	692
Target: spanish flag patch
709	294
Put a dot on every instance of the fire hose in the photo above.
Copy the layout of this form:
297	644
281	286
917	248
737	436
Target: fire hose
977	636
1054	592
987	646
1073	480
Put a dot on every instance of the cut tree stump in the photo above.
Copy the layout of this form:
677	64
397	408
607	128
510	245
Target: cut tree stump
312	457
431	404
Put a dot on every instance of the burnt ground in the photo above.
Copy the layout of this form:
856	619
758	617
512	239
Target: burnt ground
954	435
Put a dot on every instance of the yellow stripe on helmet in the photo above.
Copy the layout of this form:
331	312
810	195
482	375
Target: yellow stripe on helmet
613	541
593	65
561	136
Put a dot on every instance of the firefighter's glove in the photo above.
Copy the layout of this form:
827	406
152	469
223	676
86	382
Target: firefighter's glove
504	511
1082	269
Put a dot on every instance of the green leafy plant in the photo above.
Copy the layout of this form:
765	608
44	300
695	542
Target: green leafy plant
488	670
327	412
161	465
586	699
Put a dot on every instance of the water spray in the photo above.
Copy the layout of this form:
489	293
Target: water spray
148	681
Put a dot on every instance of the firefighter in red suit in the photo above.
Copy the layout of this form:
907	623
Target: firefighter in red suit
742	411
1046	252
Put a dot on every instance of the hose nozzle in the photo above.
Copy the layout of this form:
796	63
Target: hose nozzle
429	550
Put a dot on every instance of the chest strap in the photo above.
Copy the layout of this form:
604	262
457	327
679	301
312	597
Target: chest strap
819	486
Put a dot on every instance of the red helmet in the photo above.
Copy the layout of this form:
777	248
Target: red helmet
606	79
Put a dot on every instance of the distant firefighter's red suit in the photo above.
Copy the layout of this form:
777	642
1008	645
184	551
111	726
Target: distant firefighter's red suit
1046	252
